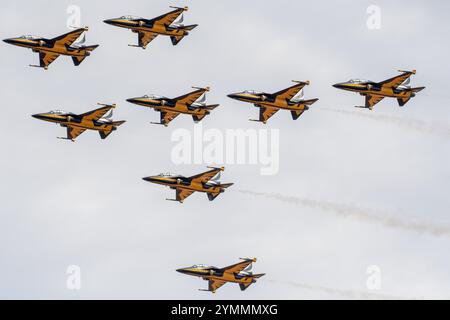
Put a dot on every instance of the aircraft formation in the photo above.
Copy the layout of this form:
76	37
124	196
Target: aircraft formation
192	104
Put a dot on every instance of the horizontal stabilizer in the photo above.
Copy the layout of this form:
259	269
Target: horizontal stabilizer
296	114
78	60
211	106
309	102
118	123
176	39
402	101
198	117
244	286
105	133
190	27
90	48
226	185
418	89
212	196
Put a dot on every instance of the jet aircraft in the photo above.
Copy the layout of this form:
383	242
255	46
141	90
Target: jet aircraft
98	119
396	87
169	24
240	273
69	44
192	103
269	103
207	182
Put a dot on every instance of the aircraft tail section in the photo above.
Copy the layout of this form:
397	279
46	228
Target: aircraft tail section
403	101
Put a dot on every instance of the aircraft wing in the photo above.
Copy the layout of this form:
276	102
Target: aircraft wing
372	100
238	267
69	38
266	112
45	58
290	92
213	285
183	194
167	116
73	132
168	18
190	97
206	176
146	37
398	80
97	113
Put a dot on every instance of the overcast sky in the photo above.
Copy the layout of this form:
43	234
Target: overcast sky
85	204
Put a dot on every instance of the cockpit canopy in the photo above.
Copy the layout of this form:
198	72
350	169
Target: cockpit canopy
30	37
358	81
129	17
59	112
168	174
201	266
252	92
153	96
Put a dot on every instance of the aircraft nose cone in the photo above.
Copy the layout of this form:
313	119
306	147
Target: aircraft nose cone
37	116
232	95
9	41
149	179
131	100
338	85
181	270
108	21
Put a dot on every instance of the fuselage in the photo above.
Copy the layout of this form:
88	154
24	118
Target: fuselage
46	45
75	121
145	25
375	89
268	100
212	273
184	183
166	104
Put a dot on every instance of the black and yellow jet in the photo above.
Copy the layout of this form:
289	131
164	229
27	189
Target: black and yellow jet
207	182
50	49
396	87
98	119
192	103
240	273
290	99
169	24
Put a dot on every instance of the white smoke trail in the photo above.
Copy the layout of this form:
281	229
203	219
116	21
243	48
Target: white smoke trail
359	213
347	294
428	127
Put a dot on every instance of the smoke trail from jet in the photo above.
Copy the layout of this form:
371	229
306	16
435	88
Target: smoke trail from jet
359	213
428	127
347	294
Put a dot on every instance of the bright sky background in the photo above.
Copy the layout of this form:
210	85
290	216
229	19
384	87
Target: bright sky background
85	204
